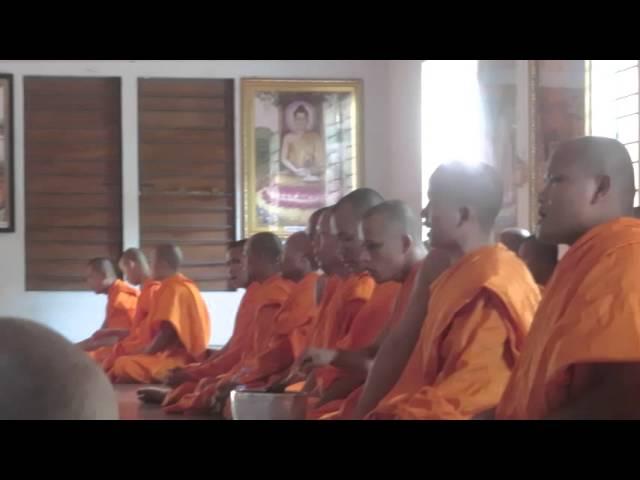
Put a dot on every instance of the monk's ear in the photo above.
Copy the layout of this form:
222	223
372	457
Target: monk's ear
603	185
464	214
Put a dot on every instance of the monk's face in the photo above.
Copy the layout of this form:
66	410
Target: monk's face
326	245
131	271
566	203
237	273
349	240
442	217
385	248
295	263
95	280
161	269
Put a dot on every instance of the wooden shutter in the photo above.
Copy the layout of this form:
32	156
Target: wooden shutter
72	178
187	172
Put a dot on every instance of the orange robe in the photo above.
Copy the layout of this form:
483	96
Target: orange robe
303	329
179	302
278	353
336	314
342	409
232	351
272	295
479	314
590	313
374	316
140	335
122	301
336	317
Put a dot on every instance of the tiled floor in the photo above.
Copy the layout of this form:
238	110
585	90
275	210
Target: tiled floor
132	409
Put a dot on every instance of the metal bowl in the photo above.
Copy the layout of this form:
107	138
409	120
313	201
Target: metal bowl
256	405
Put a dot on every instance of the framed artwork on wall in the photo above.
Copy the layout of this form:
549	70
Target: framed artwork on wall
7	220
302	149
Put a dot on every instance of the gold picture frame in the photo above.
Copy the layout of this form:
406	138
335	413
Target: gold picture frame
301	149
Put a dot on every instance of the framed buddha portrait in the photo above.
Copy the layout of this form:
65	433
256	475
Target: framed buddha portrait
301	149
6	155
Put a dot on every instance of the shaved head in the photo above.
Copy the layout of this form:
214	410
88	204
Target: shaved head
512	238
263	254
167	261
267	245
475	188
135	266
360	201
590	181
100	274
395	212
103	266
464	201
45	377
298	259
348	214
392	241
601	156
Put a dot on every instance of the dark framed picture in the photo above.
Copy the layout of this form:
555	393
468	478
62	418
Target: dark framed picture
7	220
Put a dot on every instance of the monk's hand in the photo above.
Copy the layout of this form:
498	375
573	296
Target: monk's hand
316	357
436	262
177	376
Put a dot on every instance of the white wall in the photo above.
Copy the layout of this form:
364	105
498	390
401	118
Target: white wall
403	166
391	153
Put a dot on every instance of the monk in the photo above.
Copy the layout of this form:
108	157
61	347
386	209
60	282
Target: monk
582	357
301	329
188	376
393	252
262	260
178	321
45	377
452	353
337	313
358	287
541	259
122	301
513	238
276	353
133	263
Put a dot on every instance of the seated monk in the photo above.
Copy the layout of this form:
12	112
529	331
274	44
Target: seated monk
187	377
223	360
275	353
262	261
540	258
466	325
45	377
122	301
335	316
512	238
178	321
133	263
581	359
301	329
393	252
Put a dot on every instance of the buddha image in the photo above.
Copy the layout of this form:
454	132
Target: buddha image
302	152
